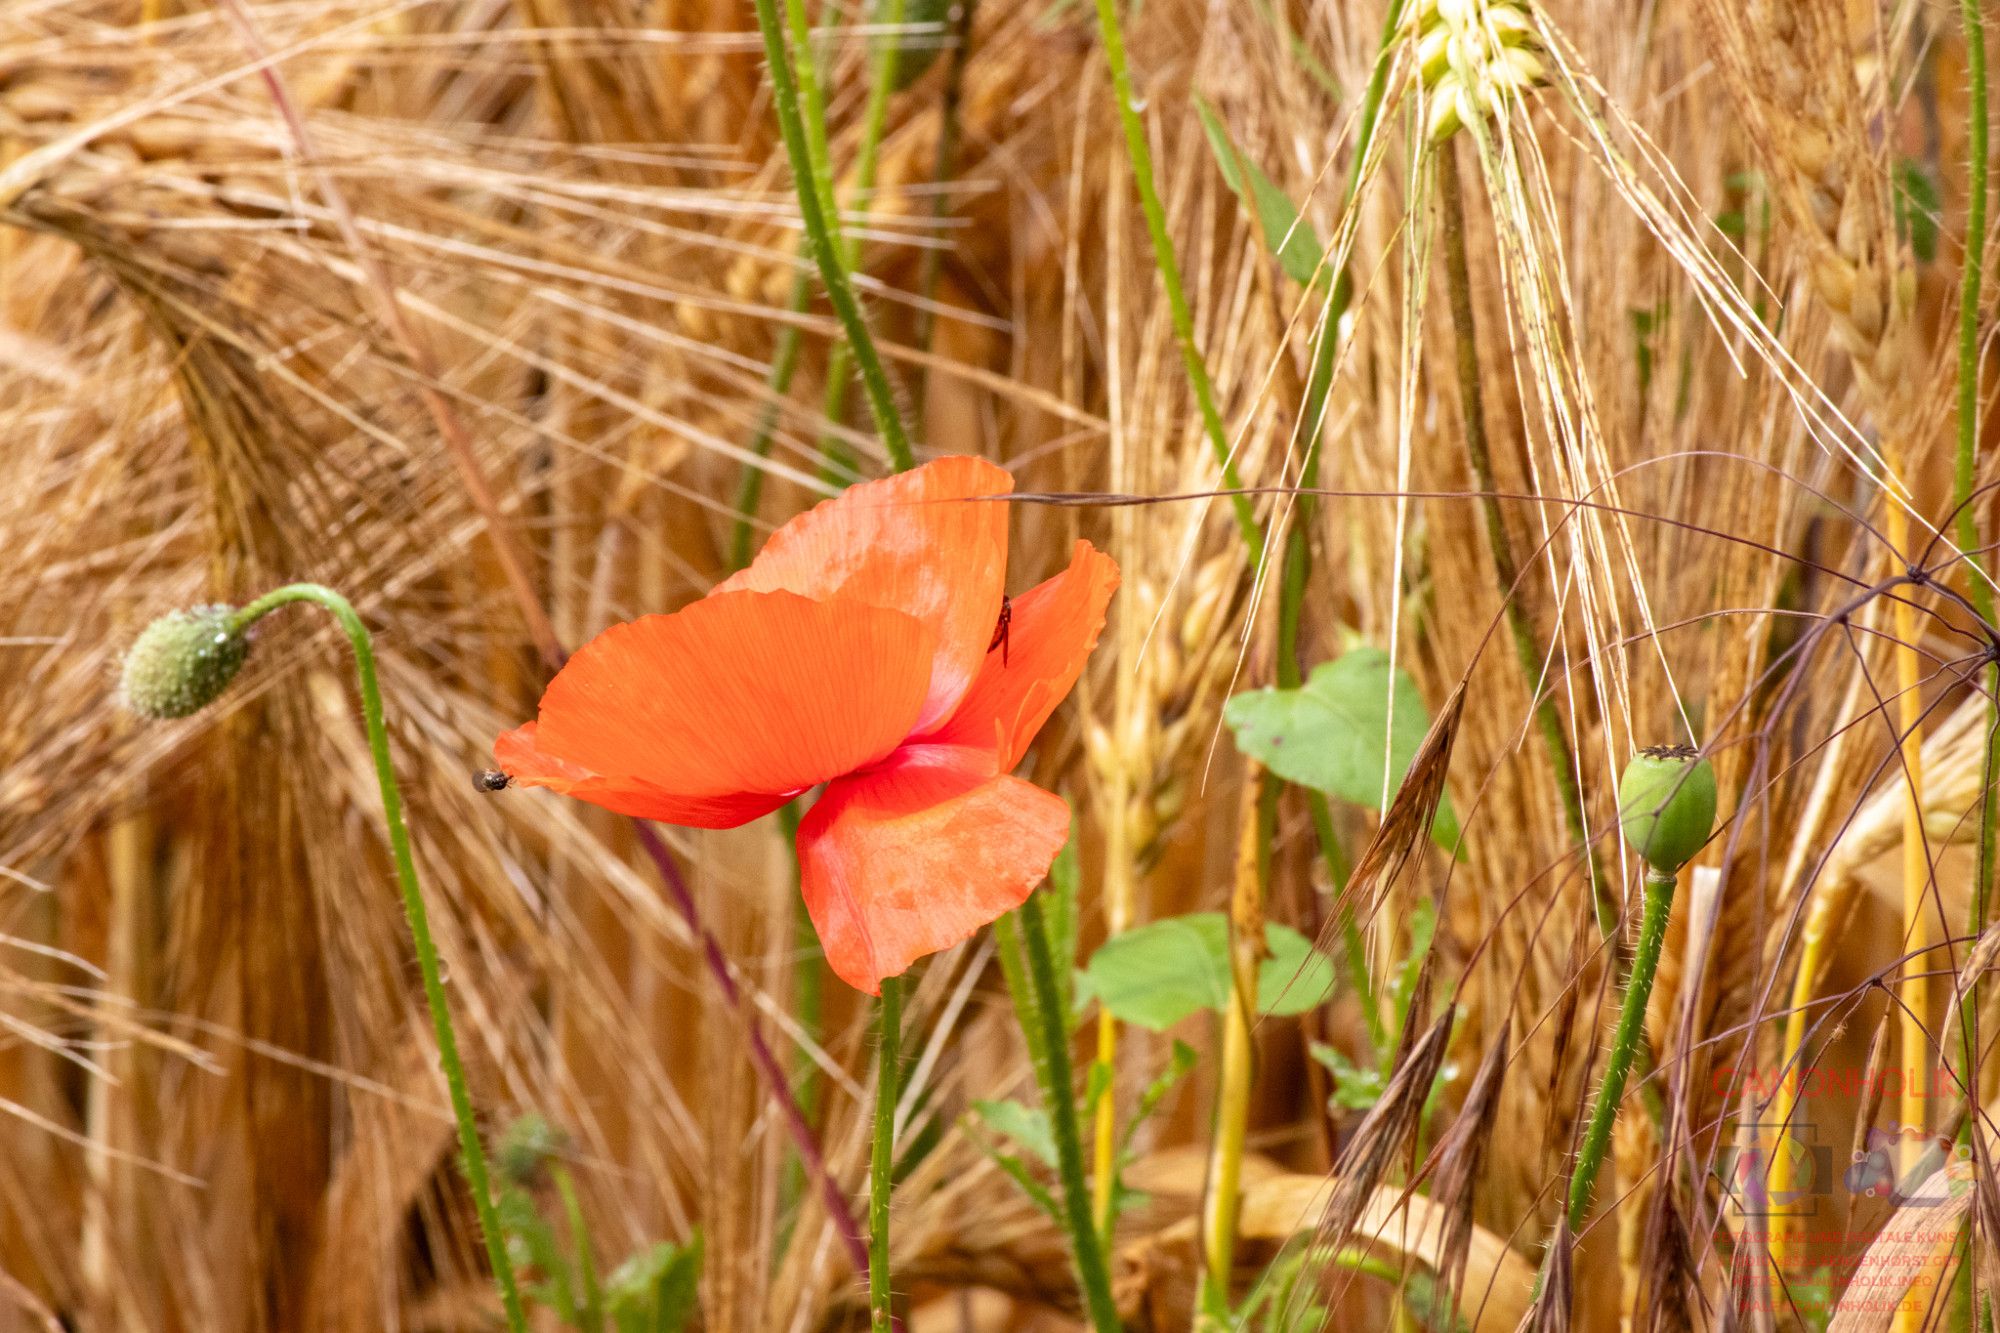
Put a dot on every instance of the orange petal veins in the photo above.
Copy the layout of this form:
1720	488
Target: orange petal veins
918	855
521	759
1050	633
746	692
923	542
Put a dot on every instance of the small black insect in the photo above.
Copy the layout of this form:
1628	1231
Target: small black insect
491	779
1000	630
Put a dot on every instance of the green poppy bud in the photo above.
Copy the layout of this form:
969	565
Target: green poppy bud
1666	803
183	661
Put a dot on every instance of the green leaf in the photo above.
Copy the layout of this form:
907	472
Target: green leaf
1027	1126
531	1246
1156	975
1037	1193
1423	926
1918	206
1059	907
655	1290
1328	734
1179	1066
1355	1088
1286	234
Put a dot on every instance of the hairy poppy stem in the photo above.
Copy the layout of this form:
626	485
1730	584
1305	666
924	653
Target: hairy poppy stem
836	462
471	1153
882	1159
1052	1048
1658	902
825	246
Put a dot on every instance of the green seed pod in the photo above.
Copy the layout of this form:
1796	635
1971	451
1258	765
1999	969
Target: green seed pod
914	52
1666	802
182	662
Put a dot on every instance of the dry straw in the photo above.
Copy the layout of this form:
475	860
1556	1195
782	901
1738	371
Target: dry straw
1701	340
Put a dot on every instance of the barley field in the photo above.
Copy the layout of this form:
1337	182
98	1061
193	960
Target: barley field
1386	720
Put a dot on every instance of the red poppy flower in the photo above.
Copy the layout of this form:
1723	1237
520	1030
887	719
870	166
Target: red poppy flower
858	650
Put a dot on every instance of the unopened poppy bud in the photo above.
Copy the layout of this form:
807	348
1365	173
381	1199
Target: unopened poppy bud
1666	803
182	662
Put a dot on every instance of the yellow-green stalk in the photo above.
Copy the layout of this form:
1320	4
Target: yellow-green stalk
1232	1098
1920	933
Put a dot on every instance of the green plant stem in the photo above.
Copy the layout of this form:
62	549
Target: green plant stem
1170	273
1465	330
943	167
882	1160
1971	284
812	108
472	1153
807	1012
1296	569
590	1317
825	245
1630	1036
784	364
1048	1016
837	463
1970	292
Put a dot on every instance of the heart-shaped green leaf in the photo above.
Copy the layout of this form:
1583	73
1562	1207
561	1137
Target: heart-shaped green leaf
1156	975
1335	732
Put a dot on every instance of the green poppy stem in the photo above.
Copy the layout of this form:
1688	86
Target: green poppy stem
882	1164
1086	1245
1658	902
825	244
471	1154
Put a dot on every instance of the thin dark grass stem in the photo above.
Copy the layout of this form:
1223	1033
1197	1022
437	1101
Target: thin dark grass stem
472	1153
1141	158
882	1157
804	1142
750	487
1548	718
414	344
1296	570
943	167
825	246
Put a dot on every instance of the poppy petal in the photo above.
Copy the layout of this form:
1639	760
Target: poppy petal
763	692
917	855
922	542
1051	629
521	759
